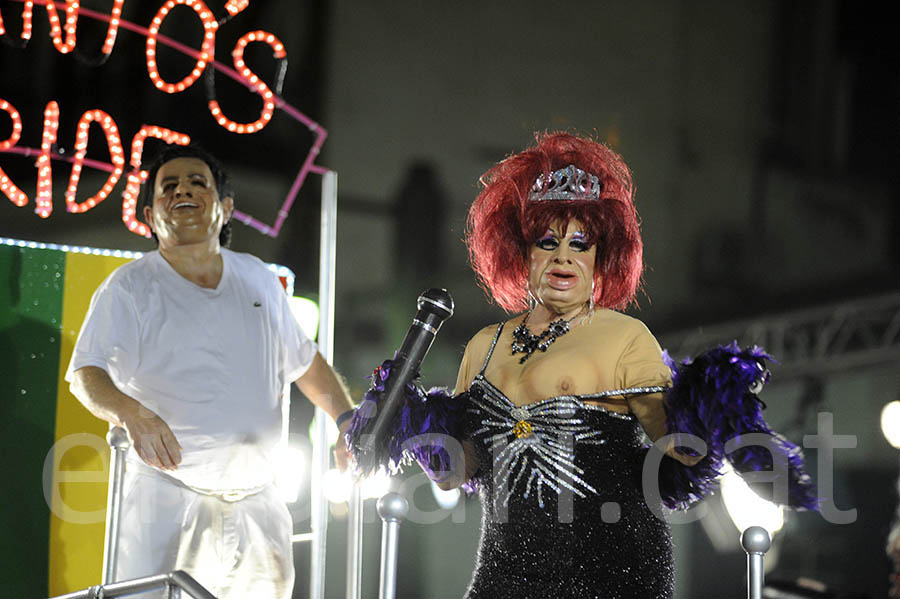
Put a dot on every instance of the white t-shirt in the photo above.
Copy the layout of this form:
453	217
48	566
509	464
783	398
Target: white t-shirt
212	363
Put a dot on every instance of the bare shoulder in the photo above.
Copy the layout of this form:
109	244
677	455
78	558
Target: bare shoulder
612	322
476	351
612	317
487	333
478	345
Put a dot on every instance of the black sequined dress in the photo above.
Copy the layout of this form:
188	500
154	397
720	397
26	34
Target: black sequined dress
564	513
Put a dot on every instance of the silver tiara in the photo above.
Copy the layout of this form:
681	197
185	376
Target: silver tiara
570	183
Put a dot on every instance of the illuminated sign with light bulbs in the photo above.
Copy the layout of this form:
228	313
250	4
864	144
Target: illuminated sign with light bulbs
64	40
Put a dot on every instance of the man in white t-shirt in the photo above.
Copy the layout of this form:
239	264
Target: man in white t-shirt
189	350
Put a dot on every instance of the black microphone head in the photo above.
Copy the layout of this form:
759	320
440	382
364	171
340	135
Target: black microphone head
437	301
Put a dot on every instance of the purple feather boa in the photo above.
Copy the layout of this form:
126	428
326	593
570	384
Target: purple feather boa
423	429
713	397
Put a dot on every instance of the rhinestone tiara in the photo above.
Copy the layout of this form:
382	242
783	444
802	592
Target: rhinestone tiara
570	183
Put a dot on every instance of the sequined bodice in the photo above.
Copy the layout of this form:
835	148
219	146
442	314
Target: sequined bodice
532	449
562	502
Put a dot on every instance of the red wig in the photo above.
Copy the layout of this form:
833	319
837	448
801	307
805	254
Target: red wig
503	224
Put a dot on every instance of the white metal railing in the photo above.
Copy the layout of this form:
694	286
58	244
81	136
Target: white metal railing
320	458
118	445
392	508
173	582
755	542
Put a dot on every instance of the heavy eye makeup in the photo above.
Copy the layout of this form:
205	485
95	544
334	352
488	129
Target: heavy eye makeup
550	242
578	243
547	242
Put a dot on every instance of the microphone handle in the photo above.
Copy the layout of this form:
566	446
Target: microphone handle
409	357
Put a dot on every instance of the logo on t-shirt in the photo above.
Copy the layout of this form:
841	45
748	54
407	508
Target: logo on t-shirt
256	304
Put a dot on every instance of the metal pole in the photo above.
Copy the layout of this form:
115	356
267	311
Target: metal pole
755	542
320	461
354	543
118	445
176	581
187	582
392	508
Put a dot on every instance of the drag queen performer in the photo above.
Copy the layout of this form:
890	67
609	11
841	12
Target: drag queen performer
554	403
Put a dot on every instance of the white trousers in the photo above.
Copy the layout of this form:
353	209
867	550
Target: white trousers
236	549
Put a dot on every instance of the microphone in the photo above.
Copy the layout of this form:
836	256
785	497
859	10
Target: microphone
434	307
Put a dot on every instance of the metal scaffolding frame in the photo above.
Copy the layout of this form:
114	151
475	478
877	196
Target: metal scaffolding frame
809	342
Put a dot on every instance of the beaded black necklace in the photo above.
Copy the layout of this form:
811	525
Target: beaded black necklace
526	342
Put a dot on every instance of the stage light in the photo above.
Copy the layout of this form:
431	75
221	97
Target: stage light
337	485
290	463
890	423
375	485
306	313
445	499
207	48
331	431
117	154
746	508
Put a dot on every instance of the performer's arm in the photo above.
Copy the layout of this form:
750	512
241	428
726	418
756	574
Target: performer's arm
473	355
641	365
651	413
456	479
325	389
149	434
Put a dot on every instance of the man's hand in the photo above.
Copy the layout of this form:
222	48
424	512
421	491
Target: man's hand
152	439
149	434
341	453
325	389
